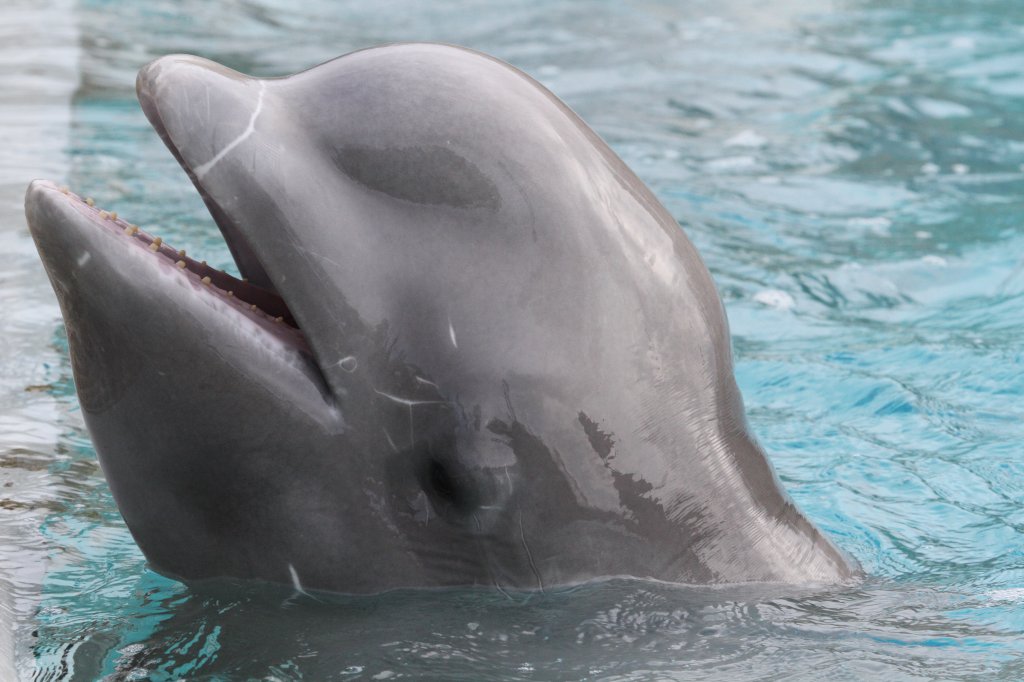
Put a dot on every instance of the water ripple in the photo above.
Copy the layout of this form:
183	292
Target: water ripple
852	172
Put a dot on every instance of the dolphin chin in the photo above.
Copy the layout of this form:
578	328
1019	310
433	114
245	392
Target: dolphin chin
469	346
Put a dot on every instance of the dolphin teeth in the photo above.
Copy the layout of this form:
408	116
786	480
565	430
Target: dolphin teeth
155	245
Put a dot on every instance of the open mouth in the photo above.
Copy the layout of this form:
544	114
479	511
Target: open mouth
258	303
107	268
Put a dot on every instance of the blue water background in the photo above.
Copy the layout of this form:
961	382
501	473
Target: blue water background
852	172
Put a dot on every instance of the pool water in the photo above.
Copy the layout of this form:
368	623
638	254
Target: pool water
852	172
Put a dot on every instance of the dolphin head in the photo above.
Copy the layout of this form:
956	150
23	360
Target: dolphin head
469	346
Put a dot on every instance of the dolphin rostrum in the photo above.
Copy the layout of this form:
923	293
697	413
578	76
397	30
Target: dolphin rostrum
469	346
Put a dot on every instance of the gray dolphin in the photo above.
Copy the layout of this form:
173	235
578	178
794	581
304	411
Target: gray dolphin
469	347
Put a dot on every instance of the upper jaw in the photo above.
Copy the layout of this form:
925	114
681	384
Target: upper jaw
168	89
269	189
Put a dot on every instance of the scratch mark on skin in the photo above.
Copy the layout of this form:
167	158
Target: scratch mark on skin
451	333
406	401
295	580
312	254
427	382
529	555
299	590
500	589
249	129
421	503
410	404
390	442
84	258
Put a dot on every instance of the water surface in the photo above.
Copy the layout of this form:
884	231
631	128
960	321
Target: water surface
852	172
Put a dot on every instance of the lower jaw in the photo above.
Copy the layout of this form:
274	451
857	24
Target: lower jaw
265	304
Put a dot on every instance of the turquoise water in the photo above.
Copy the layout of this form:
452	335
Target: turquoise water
852	172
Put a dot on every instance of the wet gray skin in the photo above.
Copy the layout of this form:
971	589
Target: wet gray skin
500	361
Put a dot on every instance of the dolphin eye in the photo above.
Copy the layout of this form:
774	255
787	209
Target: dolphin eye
441	480
447	488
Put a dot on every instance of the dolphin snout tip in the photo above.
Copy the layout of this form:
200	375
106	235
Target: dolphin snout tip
152	76
39	194
36	188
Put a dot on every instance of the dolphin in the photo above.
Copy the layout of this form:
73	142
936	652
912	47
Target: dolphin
468	347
